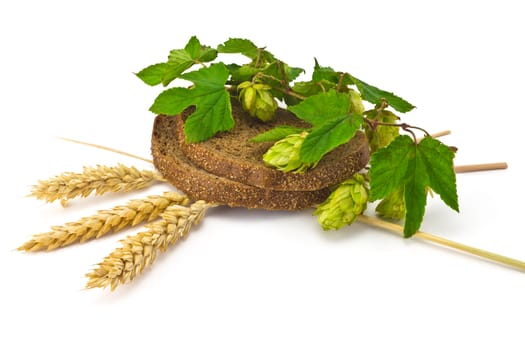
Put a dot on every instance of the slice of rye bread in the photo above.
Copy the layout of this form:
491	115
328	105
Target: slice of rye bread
232	155
200	184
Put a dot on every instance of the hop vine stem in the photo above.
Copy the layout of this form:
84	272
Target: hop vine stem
376	222
406	127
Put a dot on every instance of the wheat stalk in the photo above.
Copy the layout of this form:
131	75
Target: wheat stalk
100	179
139	251
104	221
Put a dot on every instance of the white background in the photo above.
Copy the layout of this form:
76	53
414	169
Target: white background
256	279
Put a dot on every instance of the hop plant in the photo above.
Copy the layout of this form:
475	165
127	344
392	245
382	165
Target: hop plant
382	135
344	204
257	100
393	205
285	154
356	103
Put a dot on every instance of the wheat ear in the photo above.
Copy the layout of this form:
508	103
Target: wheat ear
112	220
100	179
139	251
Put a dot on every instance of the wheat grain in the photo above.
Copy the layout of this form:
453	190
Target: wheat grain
139	251
100	179
104	221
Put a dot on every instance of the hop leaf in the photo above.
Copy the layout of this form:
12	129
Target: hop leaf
213	109
179	61
284	154
416	167
334	123
344	204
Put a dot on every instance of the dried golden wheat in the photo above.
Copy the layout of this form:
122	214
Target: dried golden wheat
139	251
100	179
95	226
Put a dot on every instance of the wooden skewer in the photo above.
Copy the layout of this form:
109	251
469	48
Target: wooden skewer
436	134
441	133
480	167
106	149
390	226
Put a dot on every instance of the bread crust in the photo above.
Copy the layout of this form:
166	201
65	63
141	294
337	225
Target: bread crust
198	183
232	155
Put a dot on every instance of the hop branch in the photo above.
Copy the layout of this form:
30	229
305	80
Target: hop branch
105	221
140	251
100	179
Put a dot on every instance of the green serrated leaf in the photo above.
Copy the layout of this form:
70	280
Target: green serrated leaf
236	45
328	136
172	101
290	73
415	196
245	72
319	108
193	47
276	134
374	95
324	73
417	167
389	165
212	77
213	108
438	160
310	88
213	114
153	74
207	54
181	60
174	70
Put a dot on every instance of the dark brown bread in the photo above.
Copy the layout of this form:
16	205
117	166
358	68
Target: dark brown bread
200	184
232	155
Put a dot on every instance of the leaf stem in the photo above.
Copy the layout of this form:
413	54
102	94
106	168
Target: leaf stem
406	127
390	226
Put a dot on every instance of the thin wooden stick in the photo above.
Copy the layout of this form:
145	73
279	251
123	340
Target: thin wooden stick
437	134
372	221
107	149
480	167
441	133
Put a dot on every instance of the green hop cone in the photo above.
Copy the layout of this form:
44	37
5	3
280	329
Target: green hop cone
257	100
356	103
344	204
382	135
247	96
284	154
393	205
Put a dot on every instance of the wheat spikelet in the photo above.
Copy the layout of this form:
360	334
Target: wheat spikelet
95	226
139	251
100	179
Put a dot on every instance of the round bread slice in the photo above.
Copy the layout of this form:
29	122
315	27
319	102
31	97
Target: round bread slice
232	155
197	183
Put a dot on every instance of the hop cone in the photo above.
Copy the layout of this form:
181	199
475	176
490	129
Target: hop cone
382	135
356	103
393	205
344	204
257	100
284	154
